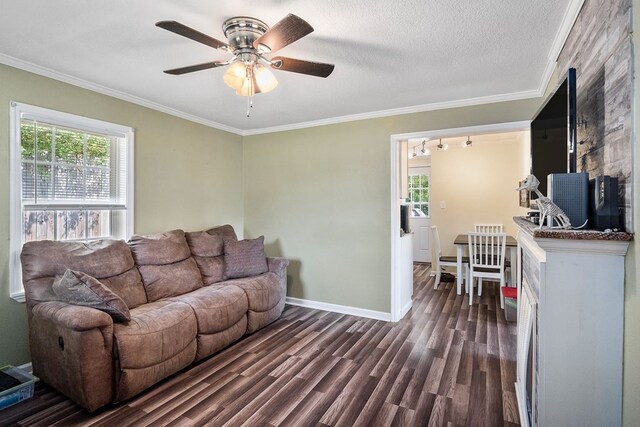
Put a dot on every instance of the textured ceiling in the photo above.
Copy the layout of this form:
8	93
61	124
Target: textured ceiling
388	55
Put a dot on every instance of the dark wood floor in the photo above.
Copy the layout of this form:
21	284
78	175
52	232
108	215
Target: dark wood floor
445	363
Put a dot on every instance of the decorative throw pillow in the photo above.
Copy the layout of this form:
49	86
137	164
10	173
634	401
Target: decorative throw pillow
79	288
244	258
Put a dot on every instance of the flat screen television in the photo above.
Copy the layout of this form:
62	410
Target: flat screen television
553	133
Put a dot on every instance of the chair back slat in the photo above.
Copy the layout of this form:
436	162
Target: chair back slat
436	241
487	250
488	228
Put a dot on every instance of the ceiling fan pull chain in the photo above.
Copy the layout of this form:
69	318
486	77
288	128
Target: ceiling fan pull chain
251	90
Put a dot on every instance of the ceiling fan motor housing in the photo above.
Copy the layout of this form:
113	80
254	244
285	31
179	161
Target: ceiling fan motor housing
241	32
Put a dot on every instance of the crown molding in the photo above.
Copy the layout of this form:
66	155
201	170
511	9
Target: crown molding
568	20
66	78
515	96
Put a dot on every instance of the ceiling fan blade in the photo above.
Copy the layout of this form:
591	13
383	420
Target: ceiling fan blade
197	67
285	32
190	33
317	69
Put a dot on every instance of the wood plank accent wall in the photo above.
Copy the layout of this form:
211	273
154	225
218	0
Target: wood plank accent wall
599	46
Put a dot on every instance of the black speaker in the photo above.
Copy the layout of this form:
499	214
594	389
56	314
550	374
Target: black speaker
570	191
603	201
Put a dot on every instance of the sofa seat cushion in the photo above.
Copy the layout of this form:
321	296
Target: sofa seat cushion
263	292
221	313
216	307
257	320
159	340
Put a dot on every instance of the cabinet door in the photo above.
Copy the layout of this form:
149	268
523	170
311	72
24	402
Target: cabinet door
527	356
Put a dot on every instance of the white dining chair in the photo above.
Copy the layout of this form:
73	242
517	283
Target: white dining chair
494	228
446	261
488	228
486	261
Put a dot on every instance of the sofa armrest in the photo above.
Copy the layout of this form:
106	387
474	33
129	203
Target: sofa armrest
72	350
74	317
278	265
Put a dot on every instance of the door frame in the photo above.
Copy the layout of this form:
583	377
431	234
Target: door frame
394	193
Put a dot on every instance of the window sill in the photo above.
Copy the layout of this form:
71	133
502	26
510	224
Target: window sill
18	296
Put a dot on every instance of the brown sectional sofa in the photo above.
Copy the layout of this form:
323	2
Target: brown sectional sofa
182	306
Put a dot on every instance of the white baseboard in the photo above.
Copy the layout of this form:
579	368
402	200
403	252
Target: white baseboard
406	308
344	309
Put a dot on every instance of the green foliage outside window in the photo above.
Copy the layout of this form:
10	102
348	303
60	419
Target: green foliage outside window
81	171
69	145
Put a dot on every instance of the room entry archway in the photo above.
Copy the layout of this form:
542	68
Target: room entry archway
398	309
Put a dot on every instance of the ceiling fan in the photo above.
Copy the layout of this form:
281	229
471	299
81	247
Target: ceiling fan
249	39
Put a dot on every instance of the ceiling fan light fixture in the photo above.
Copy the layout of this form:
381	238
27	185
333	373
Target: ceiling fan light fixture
236	75
264	78
241	75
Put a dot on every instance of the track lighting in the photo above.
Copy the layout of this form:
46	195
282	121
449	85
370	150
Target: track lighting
443	147
467	143
425	151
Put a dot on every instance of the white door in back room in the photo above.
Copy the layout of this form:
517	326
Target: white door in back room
420	221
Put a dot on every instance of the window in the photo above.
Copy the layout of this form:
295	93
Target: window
71	179
419	192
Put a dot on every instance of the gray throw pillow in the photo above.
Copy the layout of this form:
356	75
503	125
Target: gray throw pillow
244	258
79	288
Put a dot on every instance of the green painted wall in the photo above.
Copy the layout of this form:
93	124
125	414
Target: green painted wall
186	175
321	196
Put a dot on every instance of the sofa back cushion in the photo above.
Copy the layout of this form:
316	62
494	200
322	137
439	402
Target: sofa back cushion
166	265
208	253
109	261
225	231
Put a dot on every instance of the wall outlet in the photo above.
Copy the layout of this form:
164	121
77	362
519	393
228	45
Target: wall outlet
443	205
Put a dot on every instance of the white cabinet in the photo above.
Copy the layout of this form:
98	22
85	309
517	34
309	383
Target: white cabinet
570	326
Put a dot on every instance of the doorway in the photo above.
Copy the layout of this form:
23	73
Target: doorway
398	154
420	221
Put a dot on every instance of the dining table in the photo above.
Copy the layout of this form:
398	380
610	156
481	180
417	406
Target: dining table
462	241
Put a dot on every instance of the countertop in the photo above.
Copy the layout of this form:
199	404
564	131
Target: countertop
549	233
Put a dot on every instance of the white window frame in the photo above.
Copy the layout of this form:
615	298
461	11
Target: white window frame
17	112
